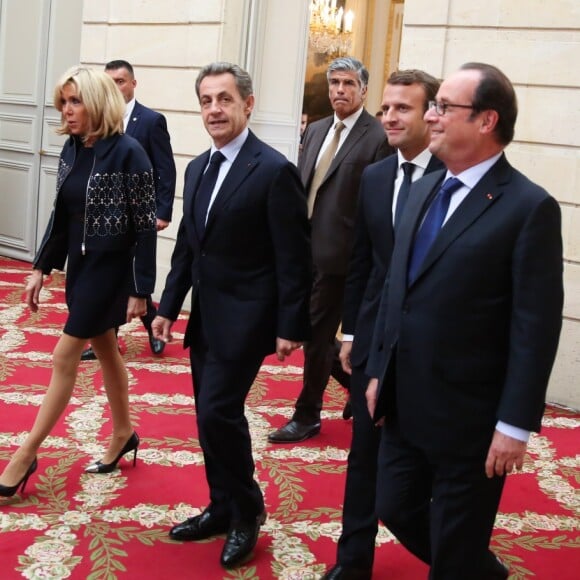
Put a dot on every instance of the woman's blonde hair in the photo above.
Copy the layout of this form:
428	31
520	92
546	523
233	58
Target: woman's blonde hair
102	99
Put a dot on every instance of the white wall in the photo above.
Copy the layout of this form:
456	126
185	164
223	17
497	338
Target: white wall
537	44
168	42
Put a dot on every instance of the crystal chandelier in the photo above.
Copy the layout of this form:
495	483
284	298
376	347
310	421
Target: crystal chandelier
330	28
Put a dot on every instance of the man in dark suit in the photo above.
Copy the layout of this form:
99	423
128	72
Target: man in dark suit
383	194
149	128
335	150
243	249
467	332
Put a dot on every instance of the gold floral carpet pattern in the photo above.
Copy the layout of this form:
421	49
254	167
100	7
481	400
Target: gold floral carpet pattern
68	524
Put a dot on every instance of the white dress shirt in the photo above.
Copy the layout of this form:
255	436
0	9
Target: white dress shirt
128	112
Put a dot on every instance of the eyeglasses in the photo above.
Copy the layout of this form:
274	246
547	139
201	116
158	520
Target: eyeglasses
441	108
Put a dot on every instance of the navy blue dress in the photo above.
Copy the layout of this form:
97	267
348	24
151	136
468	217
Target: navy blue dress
97	283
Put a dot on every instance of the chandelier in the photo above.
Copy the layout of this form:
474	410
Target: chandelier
330	28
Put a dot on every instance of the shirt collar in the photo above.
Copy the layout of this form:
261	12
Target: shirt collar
350	120
230	150
472	175
422	160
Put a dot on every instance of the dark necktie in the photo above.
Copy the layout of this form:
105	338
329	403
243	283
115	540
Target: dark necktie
204	191
403	196
431	225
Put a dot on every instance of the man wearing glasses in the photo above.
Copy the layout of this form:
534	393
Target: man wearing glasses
467	332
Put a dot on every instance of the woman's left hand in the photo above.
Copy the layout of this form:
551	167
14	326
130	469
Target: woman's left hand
32	290
136	307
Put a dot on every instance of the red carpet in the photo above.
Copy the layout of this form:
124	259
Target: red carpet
68	524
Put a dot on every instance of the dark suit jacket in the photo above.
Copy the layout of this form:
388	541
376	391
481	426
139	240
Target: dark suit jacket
250	273
335	208
371	254
150	128
475	335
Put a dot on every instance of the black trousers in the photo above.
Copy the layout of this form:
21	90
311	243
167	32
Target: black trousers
356	545
220	390
442	508
321	351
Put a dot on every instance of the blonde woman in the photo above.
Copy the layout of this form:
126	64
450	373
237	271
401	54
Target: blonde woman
103	223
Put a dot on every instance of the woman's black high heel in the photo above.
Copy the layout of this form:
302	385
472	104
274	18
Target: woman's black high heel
131	445
9	491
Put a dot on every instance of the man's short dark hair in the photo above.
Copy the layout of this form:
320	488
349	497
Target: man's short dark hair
416	77
117	64
495	92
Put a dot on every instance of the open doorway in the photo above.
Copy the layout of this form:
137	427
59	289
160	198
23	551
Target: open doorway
369	30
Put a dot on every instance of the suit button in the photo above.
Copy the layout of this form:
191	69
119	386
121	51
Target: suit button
203	254
381	347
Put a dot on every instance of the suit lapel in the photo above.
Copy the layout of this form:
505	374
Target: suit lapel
317	140
486	192
389	178
420	195
246	161
192	183
356	133
133	119
433	165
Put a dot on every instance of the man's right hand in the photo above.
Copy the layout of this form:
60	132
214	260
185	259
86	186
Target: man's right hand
285	347
344	356
32	290
161	328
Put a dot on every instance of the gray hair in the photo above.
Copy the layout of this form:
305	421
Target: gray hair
349	63
241	77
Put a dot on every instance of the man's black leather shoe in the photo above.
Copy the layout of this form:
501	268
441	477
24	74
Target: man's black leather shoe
240	542
88	354
294	432
156	345
496	568
340	572
199	527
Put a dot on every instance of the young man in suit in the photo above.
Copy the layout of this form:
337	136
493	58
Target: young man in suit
149	128
467	332
383	194
335	150
243	249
